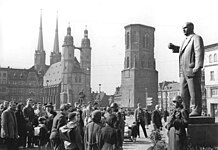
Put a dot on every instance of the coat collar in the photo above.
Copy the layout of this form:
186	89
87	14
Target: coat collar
185	43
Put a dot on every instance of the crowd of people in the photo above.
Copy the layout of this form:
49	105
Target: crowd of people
70	128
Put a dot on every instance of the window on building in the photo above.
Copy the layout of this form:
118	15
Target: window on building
4	74
212	76
127	40
76	80
210	58
214	92
215	58
127	62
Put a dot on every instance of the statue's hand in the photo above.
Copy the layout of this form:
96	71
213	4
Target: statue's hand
171	46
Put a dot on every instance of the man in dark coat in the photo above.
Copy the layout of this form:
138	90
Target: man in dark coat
156	118
140	119
178	121
9	130
59	121
21	123
28	113
108	134
92	131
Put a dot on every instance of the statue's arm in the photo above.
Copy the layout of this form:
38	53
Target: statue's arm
175	48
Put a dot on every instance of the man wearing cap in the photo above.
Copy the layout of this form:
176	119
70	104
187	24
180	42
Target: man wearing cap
176	125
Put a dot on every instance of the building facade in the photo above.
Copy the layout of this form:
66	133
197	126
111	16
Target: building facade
211	78
139	76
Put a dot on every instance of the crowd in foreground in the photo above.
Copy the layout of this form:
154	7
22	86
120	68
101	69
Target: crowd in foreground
77	127
70	128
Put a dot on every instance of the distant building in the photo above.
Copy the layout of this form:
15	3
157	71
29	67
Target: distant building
166	91
20	84
66	80
139	76
211	78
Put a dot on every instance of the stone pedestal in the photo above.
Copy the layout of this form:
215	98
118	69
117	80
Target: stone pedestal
203	132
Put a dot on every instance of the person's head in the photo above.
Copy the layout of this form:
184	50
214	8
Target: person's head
48	107
12	105
39	106
64	108
177	100
188	28
108	109
76	104
29	102
20	106
139	105
73	116
95	105
157	107
111	119
5	104
96	116
114	107
42	120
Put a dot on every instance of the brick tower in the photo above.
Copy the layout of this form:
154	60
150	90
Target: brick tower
139	76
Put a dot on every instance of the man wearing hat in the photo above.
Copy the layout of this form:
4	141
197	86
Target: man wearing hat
177	123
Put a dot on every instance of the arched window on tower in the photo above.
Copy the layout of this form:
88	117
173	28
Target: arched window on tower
127	62
127	40
210	58
215	58
145	42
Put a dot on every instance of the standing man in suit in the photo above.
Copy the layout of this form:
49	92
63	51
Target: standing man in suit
9	130
191	60
140	119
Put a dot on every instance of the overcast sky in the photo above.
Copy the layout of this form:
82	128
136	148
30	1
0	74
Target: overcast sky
105	20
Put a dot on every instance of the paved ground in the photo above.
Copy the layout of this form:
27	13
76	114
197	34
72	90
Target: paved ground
141	143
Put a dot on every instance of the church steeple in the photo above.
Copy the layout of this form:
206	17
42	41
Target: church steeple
40	39
39	61
56	41
55	55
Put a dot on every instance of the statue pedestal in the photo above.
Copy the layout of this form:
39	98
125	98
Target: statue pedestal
201	120
203	131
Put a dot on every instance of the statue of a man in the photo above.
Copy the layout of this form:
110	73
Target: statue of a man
191	60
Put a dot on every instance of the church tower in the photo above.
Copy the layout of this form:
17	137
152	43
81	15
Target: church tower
55	55
85	62
67	64
139	76
39	61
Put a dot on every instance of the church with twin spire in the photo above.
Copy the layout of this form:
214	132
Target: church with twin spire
65	80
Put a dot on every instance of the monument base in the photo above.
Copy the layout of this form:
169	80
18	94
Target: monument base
201	120
203	131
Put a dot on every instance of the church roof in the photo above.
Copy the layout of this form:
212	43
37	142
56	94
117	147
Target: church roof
53	75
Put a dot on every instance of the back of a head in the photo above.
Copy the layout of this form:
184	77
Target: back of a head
96	116
63	107
111	119
72	115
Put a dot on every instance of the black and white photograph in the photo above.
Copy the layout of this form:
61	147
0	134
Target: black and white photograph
108	75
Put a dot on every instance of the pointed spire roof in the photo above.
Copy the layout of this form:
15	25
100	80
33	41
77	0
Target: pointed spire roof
40	39
86	32
56	40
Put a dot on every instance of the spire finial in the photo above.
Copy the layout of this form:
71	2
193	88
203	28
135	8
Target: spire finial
69	29
86	32
40	39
